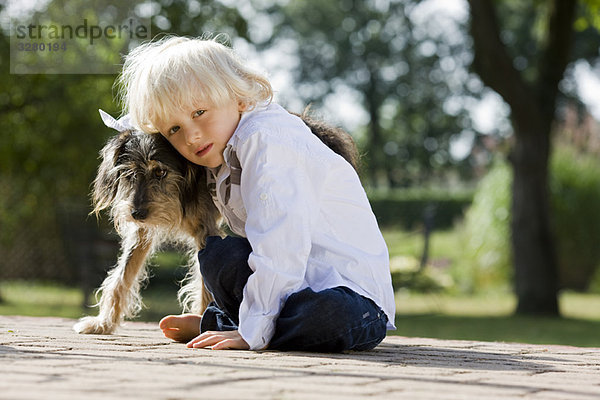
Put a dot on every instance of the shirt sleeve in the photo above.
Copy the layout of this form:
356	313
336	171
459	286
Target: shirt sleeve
281	205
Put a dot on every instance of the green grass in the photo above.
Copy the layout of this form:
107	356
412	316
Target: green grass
38	300
46	299
487	318
561	331
444	246
490	318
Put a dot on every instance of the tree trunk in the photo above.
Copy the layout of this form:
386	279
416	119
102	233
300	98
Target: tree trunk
375	145
532	241
532	109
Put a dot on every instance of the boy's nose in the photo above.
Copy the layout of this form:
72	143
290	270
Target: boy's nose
192	136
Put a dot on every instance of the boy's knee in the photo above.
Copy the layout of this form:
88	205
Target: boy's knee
224	266
222	254
333	320
331	307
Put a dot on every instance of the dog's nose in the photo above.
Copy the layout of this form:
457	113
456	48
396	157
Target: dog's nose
139	214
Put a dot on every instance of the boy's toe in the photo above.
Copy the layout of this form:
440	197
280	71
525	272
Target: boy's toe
181	328
168	322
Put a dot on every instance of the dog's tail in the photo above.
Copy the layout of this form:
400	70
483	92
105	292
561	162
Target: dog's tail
335	138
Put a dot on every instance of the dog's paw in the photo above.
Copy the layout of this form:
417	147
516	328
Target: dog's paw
94	325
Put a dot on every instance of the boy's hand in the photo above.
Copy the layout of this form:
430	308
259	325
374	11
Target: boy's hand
219	341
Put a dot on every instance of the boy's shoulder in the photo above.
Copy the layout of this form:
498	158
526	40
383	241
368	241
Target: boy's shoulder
271	123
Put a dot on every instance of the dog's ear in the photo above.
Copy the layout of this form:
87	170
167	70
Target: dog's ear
121	141
106	184
193	175
196	200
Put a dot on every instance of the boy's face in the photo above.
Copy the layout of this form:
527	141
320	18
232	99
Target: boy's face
201	134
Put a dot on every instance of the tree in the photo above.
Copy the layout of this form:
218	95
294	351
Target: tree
52	131
400	71
51	121
529	82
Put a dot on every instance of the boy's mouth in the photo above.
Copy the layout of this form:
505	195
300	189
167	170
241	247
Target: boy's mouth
203	150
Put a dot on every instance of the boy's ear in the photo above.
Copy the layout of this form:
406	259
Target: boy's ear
242	106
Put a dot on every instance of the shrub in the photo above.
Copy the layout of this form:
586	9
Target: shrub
485	232
575	188
575	192
405	208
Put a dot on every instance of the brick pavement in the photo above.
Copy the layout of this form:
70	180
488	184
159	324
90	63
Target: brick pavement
42	358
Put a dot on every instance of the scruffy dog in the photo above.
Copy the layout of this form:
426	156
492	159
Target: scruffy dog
156	196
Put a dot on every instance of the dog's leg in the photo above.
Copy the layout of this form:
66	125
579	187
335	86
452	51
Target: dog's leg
120	290
193	296
207	297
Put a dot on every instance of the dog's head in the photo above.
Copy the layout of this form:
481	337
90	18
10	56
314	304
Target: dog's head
144	180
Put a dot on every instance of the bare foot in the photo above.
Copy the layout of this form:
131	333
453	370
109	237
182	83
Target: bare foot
181	328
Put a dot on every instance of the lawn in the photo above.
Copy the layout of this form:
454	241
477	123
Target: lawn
490	318
47	299
486	318
483	316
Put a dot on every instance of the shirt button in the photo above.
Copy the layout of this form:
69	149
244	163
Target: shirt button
263	196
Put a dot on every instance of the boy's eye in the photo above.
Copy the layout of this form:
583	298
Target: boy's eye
173	130
198	113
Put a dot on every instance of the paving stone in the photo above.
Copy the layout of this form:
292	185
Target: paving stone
45	358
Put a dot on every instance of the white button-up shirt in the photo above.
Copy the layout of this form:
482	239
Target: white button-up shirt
306	216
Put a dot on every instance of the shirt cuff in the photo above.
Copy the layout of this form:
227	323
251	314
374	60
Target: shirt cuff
257	330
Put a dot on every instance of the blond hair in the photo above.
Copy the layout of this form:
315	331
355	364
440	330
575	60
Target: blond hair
178	73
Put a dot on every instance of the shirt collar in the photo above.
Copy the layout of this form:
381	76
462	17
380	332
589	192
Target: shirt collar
233	138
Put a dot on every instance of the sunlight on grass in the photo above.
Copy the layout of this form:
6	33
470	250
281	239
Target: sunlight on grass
408	303
572	305
36	299
443	313
580	305
444	245
490	318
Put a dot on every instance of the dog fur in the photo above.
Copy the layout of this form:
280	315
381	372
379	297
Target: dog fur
156	196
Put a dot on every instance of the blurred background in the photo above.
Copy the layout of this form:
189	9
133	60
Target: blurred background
477	122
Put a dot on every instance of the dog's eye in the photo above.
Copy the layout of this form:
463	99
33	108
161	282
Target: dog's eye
160	173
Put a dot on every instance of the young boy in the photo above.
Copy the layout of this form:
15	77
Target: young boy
310	269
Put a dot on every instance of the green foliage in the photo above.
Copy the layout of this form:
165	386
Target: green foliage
575	186
486	259
406	208
575	191
51	129
51	139
407	72
590	16
52	132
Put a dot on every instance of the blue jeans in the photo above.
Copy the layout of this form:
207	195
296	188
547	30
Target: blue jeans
331	320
